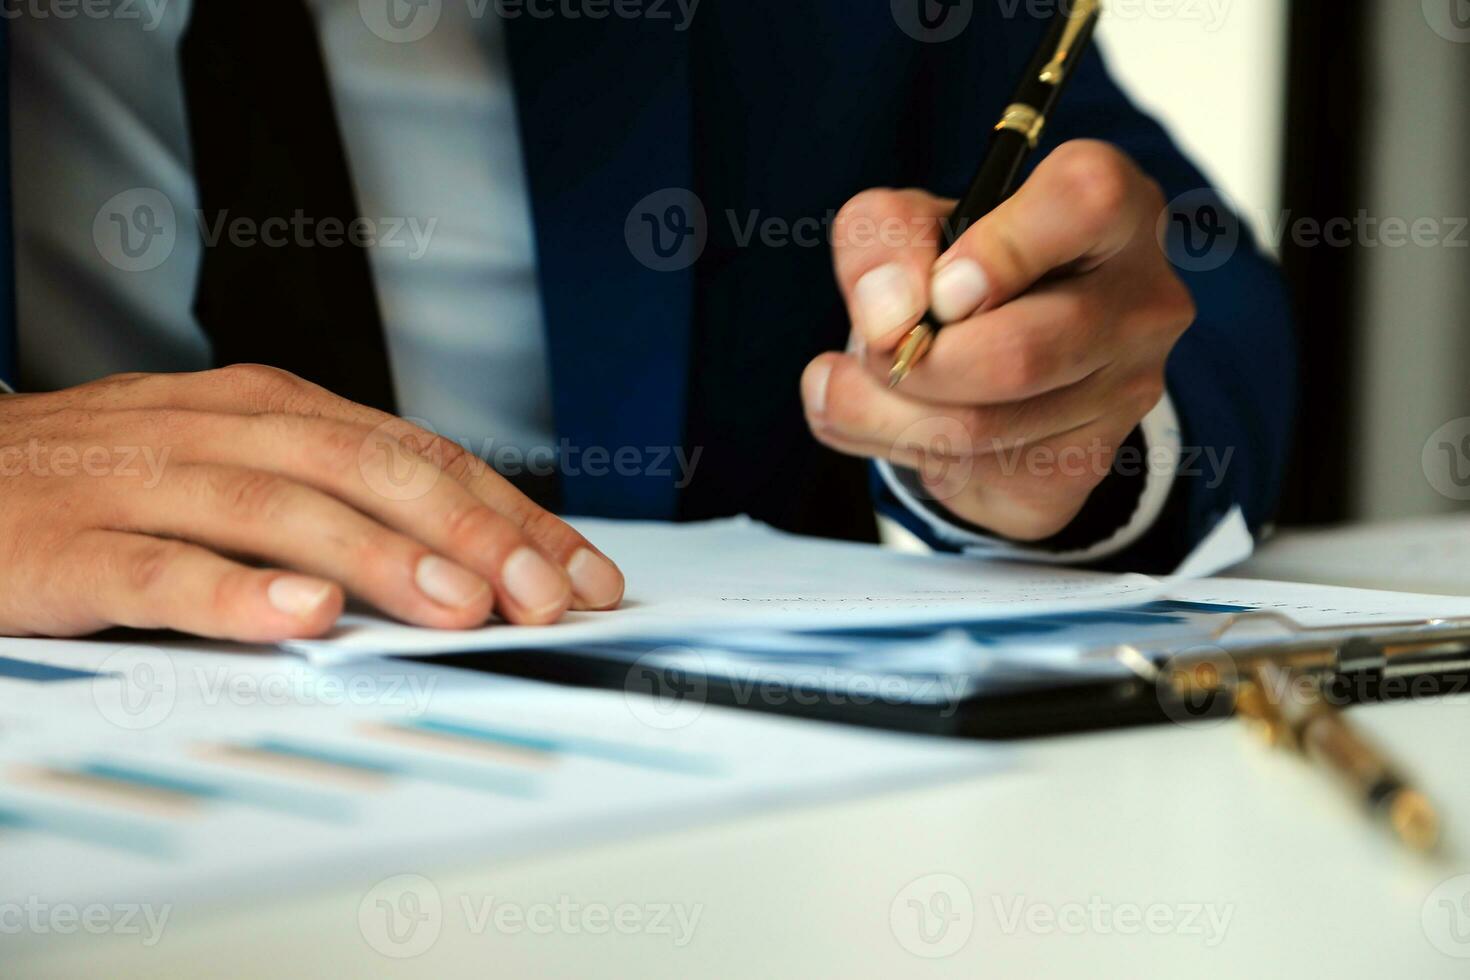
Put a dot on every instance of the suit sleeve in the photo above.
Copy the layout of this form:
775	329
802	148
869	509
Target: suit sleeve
1231	377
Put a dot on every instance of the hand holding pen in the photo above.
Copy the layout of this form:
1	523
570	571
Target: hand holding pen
1060	311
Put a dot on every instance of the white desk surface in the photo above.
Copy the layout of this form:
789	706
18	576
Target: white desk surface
1171	851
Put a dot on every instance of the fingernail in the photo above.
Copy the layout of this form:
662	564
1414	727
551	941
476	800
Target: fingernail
596	580
448	584
533	582
886	300
958	290
297	596
814	387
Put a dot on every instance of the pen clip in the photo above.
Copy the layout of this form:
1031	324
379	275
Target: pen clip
1056	69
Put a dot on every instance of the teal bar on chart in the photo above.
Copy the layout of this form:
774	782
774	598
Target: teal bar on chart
602	749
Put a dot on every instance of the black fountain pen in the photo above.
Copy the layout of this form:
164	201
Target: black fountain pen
1016	135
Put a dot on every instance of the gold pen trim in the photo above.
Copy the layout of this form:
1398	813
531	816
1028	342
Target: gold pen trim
1023	119
1056	69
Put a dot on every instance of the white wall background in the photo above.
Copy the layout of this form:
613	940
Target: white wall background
1214	71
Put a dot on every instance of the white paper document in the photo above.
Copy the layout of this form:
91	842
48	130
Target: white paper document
698	579
177	777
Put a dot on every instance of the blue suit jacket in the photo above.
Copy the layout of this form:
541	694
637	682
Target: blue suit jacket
667	329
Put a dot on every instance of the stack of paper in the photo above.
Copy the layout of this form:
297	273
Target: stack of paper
741	602
712	580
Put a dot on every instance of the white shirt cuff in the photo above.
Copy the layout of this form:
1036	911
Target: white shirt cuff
1162	447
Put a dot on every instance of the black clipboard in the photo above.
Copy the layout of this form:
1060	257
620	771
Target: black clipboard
1184	685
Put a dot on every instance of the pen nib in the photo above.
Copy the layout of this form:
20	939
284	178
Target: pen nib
910	352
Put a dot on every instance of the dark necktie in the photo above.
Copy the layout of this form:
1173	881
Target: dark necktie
283	282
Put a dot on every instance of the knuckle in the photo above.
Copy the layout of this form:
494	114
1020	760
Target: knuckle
880	218
1141	394
148	564
124	379
472	522
1145	393
1021	368
376	558
1098	179
1178	306
252	496
338	446
871	203
228	591
457	462
547	527
257	375
265	388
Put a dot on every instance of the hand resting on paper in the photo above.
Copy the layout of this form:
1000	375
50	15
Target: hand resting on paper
244	503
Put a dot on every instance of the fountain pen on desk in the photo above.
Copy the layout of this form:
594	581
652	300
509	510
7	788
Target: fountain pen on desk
1292	711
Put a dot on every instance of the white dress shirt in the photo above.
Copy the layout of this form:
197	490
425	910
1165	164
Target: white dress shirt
431	136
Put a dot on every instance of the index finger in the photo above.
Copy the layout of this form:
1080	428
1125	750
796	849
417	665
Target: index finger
884	243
